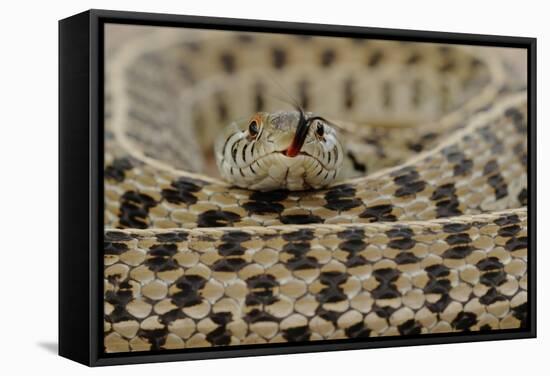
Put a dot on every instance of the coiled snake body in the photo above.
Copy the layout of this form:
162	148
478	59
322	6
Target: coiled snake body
428	235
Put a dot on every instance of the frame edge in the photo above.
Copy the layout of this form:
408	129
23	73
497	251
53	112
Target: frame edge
86	349
74	187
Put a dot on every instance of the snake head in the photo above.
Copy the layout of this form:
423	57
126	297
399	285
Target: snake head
280	150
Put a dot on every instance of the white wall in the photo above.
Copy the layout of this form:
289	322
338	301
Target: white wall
28	199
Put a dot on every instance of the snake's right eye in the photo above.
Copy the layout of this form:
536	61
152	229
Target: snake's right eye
253	128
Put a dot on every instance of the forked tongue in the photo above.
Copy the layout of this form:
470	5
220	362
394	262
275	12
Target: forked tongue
299	137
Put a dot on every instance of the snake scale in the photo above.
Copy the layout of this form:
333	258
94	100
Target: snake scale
428	235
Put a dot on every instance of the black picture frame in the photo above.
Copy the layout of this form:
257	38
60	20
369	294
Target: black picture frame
81	73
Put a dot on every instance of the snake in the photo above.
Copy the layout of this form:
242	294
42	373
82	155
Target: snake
267	188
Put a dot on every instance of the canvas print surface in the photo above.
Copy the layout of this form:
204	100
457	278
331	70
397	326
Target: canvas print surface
273	188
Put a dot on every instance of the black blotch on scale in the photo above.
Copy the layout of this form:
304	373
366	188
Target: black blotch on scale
298	334
228	62
375	59
410	327
236	236
231	265
279	58
300	260
341	198
349	99
299	235
333	291
300	219
379	213
155	337
447	204
506	220
117	236
182	191
492	296
220	336
353	244
516	243
521	313
172	237
523	197
266	202
499	185
439	284
160	259
134	209
401	238
111	248
189	293
217	218
245	38
464	321
261	290
357	166
117	170
328	57
257	315
509	231
358	330
408	181
386	279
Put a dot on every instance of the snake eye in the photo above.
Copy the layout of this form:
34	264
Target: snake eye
253	128
320	130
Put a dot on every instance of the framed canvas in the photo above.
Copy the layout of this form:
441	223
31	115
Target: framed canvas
235	187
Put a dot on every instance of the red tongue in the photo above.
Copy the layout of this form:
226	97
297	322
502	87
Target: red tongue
293	149
299	137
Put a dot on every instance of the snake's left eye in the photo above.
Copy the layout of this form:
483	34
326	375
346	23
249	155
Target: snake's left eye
320	131
253	128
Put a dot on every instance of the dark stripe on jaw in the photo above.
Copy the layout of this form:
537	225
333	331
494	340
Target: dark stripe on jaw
225	144
244	152
320	169
329	157
241	171
234	148
251	169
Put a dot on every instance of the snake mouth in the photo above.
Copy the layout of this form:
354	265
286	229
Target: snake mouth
305	154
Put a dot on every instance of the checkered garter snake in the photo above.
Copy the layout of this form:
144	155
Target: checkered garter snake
425	232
